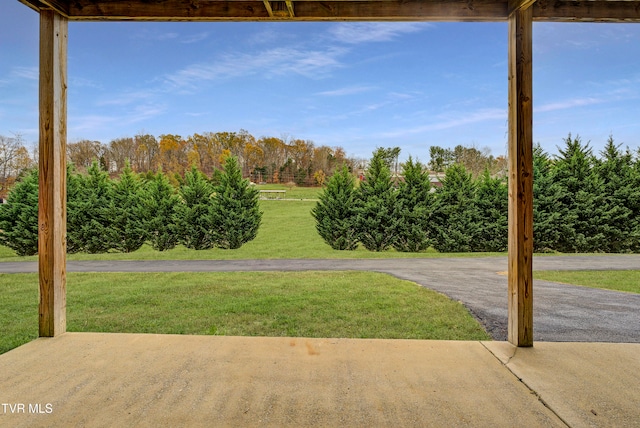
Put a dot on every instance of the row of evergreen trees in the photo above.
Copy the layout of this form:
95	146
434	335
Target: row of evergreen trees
581	204
106	215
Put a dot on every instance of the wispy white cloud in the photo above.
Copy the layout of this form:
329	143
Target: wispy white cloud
30	73
274	62
81	82
451	120
567	104
365	32
194	38
156	36
97	124
348	90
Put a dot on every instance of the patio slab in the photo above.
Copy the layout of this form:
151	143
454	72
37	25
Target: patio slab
104	380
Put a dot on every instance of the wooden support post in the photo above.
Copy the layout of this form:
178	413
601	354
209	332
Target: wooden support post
520	331
52	197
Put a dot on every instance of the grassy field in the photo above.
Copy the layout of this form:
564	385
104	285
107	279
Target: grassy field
303	304
618	280
293	192
287	232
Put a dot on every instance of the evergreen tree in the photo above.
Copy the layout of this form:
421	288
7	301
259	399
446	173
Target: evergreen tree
491	201
236	210
454	219
128	232
414	204
582	196
377	215
160	205
76	215
335	213
195	212
19	216
549	217
621	199
92	220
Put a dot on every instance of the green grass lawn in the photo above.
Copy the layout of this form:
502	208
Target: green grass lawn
302	304
287	232
618	280
293	192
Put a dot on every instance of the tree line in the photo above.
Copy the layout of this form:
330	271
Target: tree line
121	215
266	159
582	203
263	160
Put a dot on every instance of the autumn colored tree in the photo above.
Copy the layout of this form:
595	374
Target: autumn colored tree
120	151
147	150
82	153
173	152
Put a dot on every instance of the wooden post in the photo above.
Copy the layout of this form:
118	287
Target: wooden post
52	197
520	331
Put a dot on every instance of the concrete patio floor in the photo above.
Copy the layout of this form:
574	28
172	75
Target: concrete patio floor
97	379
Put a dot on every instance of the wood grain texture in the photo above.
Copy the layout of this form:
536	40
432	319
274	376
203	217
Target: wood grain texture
520	329
587	11
52	175
317	10
341	10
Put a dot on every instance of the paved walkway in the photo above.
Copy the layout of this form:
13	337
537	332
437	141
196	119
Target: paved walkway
562	313
138	380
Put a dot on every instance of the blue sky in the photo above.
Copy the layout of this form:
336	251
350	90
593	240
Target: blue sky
355	85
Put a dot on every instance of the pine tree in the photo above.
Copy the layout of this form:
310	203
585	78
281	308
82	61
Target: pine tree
160	205
90	226
582	196
195	212
19	216
76	215
454	220
549	217
377	214
335	213
414	205
491	201
236	211
128	232
621	195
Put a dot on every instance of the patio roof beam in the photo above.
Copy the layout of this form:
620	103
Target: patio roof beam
587	11
340	10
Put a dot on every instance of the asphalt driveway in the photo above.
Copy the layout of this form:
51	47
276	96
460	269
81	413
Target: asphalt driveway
562	313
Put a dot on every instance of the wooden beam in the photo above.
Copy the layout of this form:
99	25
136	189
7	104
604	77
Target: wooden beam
52	195
267	5
289	4
587	11
519	4
60	6
305	10
520	277
341	10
